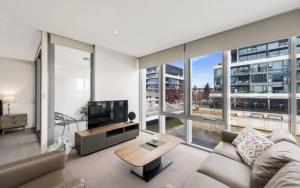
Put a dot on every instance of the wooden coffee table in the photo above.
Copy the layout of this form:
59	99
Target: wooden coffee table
148	160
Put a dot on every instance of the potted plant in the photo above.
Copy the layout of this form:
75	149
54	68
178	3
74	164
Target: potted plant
84	112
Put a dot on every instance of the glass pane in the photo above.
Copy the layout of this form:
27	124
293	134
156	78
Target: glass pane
207	101
207	84
206	133
152	98
175	126
72	89
174	88
259	98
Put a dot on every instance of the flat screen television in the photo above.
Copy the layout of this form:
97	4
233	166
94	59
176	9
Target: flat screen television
102	113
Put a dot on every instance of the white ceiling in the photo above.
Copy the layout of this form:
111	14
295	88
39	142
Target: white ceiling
18	42
144	26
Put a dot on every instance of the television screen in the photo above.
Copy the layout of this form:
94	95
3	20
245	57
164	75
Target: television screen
106	112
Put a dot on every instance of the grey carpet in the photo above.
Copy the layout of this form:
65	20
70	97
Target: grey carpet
104	169
16	145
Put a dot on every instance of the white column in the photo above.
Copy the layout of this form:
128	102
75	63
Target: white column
188	131
162	124
143	104
187	100
293	86
226	88
44	92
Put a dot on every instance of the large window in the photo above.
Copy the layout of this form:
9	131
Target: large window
174	88
152	98
207	87
259	83
261	103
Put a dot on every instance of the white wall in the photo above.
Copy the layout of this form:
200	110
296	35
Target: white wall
17	78
117	78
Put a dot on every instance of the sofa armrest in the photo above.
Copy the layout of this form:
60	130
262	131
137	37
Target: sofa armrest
19	172
73	183
228	136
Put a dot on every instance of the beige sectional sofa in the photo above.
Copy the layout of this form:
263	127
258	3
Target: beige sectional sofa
224	168
43	171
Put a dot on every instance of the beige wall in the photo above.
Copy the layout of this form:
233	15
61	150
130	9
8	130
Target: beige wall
17	78
116	78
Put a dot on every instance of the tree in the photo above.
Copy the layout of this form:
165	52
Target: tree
206	91
195	94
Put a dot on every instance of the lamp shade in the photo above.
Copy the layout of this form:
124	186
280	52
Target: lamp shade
8	99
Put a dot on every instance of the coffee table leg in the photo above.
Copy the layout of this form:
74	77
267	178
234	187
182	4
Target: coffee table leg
153	168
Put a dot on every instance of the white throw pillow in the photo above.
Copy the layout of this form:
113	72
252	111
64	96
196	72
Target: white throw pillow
251	145
241	136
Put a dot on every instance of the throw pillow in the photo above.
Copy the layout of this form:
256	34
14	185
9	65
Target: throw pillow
252	145
282	135
271	161
242	135
288	177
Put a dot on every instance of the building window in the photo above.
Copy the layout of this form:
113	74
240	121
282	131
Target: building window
262	67
277	77
258	89
259	78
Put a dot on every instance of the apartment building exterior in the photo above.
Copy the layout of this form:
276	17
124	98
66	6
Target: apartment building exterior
259	77
174	86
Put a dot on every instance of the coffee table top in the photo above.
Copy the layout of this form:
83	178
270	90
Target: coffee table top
137	155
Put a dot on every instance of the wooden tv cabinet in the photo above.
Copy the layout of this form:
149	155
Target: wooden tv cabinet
87	142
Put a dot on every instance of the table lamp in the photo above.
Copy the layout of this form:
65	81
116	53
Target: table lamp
8	99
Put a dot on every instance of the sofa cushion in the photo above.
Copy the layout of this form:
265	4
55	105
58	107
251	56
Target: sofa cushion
252	145
287	177
227	171
199	180
271	161
282	135
50	180
228	150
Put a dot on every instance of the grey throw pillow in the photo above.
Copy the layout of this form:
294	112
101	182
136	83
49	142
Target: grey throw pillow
282	135
287	177
271	161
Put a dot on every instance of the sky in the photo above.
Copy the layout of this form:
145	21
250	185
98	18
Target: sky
203	69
